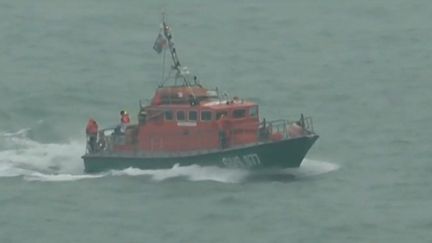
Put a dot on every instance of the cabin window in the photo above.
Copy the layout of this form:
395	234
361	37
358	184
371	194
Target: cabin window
181	116
239	113
168	115
206	116
192	115
253	111
220	113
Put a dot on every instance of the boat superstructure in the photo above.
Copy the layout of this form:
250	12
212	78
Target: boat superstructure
186	123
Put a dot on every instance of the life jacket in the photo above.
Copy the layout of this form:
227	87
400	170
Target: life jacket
92	127
125	119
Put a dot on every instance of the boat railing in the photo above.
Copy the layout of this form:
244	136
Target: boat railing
109	138
309	124
284	129
105	140
203	139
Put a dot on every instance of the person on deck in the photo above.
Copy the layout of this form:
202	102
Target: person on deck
91	132
221	123
124	120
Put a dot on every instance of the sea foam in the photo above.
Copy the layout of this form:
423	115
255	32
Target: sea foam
34	161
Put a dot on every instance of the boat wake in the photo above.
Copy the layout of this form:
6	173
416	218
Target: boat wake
191	173
206	173
21	156
34	161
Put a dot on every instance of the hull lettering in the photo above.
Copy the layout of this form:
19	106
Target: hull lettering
244	161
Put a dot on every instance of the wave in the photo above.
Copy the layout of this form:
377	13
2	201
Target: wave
21	156
36	176
33	161
211	173
191	173
310	167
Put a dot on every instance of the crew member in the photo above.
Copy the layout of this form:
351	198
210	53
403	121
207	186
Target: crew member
221	123
124	120
91	131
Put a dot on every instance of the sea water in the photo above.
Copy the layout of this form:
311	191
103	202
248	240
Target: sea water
360	69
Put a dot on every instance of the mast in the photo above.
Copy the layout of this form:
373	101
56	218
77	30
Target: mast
176	62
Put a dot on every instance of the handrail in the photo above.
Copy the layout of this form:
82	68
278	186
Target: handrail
280	127
267	131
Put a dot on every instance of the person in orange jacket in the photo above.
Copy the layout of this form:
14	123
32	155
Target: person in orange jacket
124	117
91	132
124	120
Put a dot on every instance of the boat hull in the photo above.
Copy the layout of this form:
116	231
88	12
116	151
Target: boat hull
286	153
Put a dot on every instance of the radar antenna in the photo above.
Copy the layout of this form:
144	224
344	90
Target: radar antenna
181	72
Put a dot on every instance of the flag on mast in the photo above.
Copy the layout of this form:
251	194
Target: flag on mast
160	43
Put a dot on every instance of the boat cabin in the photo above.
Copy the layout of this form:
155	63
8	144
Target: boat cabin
188	117
181	119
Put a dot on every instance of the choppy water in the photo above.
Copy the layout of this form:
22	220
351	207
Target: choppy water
361	69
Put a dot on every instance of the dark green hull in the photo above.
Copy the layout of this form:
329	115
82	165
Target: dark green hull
286	153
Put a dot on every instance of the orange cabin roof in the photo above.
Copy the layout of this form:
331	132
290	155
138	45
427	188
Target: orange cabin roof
181	95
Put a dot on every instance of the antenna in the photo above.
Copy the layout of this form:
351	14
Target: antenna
166	30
